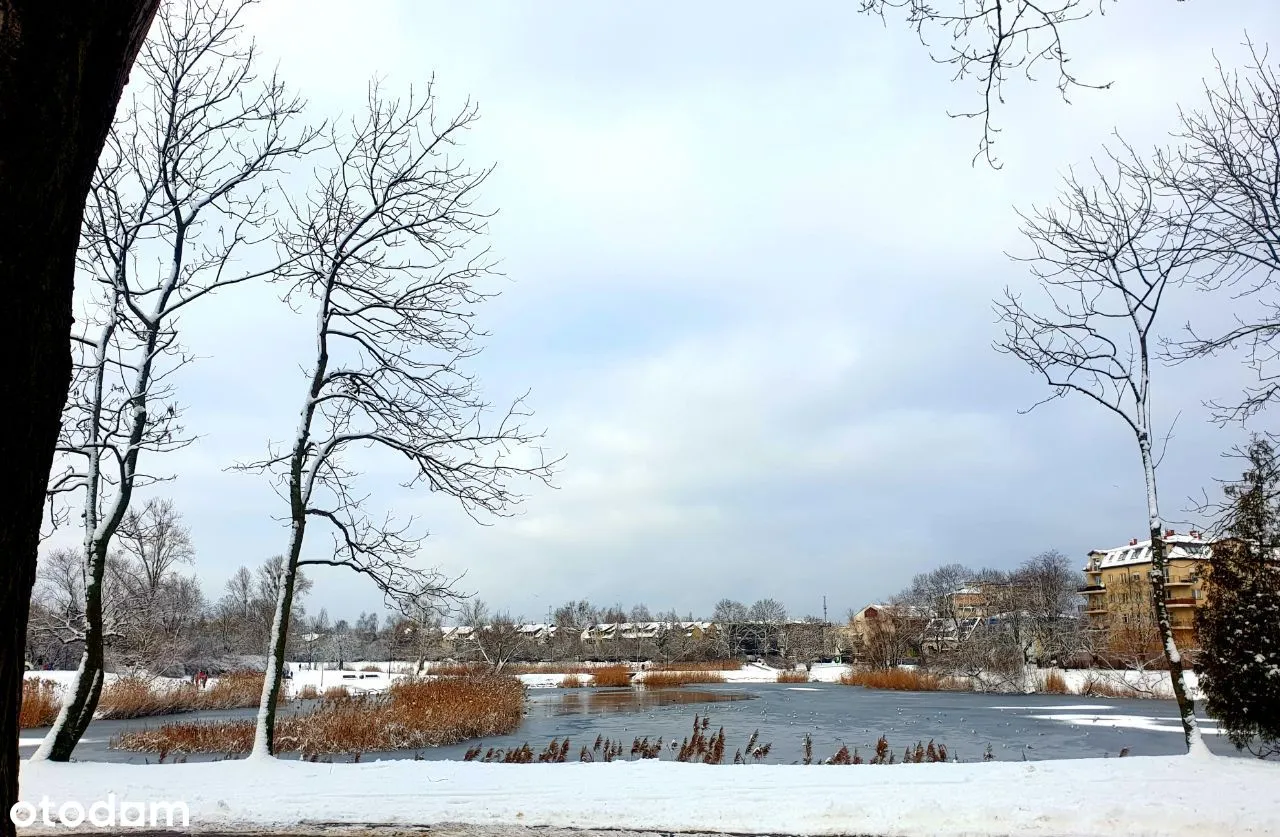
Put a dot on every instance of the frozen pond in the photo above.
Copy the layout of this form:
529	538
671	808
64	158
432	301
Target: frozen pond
1016	727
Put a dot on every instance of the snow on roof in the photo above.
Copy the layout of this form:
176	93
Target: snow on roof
1139	552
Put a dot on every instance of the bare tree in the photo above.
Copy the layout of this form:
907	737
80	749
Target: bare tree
183	156
156	540
731	631
497	638
935	593
1226	163
989	41
1045	586
382	252
766	619
1104	259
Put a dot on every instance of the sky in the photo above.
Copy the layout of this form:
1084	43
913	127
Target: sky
749	271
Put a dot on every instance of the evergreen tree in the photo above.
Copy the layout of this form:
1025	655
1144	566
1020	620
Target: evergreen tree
1239	624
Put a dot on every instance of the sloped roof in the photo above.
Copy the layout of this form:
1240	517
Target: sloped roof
1179	546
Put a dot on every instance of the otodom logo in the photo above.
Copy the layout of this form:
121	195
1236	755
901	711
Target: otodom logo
104	813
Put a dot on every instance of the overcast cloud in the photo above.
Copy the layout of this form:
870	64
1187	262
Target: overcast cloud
751	272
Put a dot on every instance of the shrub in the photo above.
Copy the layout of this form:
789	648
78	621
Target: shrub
1053	683
617	675
308	692
661	679
336	693
40	703
793	676
370	667
411	714
904	680
571	681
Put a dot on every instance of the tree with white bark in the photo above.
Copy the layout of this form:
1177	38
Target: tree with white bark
179	193
1105	258
495	637
383	254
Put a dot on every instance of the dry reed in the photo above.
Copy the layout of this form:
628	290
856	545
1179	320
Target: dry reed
233	690
1095	686
134	697
40	703
663	679
1053	683
411	714
904	680
618	675
571	681
457	669
793	676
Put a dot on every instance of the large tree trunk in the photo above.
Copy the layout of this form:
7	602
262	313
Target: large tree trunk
1159	564
61	73
264	735
81	698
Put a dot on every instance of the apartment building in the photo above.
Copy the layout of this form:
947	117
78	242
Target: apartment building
1118	601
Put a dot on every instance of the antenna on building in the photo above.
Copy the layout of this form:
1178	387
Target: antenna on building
824	608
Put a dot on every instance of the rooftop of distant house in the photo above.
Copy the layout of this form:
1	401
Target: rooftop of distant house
1189	546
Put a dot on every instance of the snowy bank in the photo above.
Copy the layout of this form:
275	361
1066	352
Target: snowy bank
1172	795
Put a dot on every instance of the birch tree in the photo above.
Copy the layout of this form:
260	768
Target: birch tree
1104	258
384	256
177	196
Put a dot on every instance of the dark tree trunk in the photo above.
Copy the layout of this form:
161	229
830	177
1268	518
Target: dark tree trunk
62	68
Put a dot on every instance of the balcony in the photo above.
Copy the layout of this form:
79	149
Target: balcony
1178	582
1097	611
1182	602
1091	588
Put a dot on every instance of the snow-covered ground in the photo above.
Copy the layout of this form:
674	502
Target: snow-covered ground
1153	684
1173	795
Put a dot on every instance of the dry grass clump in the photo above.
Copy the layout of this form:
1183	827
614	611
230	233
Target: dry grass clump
1053	683
571	681
662	679
40	703
708	665
1105	687
411	714
904	680
233	690
793	676
617	675
336	693
135	697
457	669
308	692
370	667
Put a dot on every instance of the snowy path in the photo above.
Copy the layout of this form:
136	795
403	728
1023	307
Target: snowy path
1170	795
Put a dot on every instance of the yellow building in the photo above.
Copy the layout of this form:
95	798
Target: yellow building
1118	602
